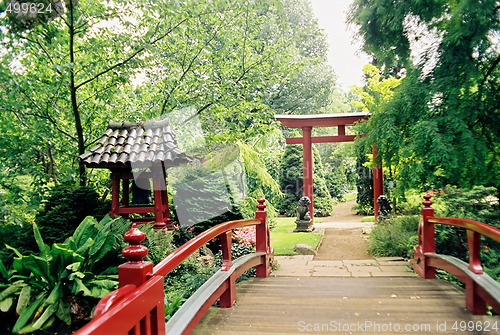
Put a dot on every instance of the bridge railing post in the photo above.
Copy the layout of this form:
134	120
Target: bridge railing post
262	239
474	245
227	298
428	237
472	299
135	271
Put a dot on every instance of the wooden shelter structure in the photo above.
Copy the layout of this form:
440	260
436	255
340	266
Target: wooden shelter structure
306	123
141	152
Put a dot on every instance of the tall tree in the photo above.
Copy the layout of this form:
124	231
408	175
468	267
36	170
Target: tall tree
445	114
62	73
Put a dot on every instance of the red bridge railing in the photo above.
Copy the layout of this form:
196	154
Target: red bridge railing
137	306
480	289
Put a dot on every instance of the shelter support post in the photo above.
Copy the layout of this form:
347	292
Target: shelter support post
115	194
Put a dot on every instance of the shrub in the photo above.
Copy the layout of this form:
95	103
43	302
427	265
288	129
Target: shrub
364	184
65	207
19	237
337	184
186	278
291	183
395	236
237	250
159	245
181	235
410	204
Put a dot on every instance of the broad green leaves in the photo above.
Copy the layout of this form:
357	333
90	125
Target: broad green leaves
39	285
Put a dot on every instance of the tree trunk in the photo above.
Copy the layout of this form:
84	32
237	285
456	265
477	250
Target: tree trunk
74	104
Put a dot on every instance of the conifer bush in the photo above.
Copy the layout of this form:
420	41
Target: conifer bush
65	207
291	183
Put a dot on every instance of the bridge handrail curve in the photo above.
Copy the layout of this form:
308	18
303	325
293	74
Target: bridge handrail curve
476	226
480	288
187	249
138	304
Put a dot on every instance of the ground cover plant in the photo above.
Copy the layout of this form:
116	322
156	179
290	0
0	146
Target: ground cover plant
283	240
395	236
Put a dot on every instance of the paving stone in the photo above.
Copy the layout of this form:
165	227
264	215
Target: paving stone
293	271
395	263
362	275
326	263
296	257
360	262
396	267
363	269
321	271
293	260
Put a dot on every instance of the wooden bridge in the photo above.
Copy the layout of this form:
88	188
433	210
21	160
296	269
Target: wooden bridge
386	303
378	305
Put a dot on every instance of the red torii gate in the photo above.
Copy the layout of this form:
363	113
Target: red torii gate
307	122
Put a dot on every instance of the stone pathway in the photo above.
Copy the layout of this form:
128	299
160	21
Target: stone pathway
305	266
329	262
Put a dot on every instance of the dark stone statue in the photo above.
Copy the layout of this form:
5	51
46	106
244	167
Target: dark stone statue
303	209
303	221
384	206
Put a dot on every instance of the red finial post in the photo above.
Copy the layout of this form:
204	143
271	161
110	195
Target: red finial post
135	271
428	236
262	238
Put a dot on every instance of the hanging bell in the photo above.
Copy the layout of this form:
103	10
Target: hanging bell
141	195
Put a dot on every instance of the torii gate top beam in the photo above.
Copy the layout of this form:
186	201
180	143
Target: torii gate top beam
321	120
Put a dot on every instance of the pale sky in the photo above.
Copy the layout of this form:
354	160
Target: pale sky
345	57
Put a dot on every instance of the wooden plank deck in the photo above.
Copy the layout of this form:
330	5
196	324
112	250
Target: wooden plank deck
327	305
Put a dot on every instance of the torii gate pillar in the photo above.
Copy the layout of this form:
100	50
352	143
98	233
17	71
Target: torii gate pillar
378	181
308	166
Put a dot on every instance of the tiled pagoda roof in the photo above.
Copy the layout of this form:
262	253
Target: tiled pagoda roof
130	145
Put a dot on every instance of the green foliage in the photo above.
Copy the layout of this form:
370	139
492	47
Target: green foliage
18	199
261	158
172	306
159	244
18	236
67	276
442	125
395	236
291	183
364	183
410	204
336	183
204	199
237	250
65	207
186	278
181	235
479	203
